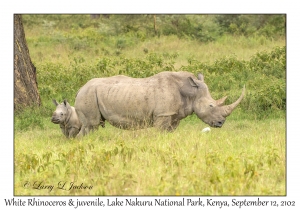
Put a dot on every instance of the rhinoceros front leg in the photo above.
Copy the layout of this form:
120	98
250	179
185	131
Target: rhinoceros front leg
90	122
64	130
86	129
85	124
167	123
73	132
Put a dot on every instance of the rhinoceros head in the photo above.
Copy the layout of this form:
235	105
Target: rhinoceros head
61	114
212	112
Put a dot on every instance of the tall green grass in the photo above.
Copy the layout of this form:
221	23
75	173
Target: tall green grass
243	158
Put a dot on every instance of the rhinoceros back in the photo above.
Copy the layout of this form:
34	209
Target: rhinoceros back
126	102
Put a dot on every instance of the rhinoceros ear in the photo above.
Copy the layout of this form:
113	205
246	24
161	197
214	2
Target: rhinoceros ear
67	104
201	77
189	87
54	102
192	82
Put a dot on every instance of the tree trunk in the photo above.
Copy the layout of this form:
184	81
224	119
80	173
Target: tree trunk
25	83
95	16
155	28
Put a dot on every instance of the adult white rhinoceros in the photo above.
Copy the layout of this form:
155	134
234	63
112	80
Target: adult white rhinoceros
161	101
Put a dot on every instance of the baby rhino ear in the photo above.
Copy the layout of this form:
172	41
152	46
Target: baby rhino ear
67	104
54	102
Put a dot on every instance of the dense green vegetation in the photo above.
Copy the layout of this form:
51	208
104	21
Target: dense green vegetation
141	27
245	157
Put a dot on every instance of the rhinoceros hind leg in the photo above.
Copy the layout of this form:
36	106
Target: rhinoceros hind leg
81	132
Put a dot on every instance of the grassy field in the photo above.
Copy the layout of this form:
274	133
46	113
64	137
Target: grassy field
247	156
244	157
241	47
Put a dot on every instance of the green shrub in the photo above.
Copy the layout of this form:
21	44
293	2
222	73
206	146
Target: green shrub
248	25
30	118
264	76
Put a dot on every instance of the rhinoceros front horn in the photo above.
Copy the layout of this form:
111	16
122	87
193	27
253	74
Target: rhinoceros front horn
229	108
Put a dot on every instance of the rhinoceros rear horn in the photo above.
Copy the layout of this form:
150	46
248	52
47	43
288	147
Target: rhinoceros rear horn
221	101
229	108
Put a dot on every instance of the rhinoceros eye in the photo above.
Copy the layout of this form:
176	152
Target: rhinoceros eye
211	105
61	114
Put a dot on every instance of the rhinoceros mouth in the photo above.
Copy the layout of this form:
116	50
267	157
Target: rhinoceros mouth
217	124
55	121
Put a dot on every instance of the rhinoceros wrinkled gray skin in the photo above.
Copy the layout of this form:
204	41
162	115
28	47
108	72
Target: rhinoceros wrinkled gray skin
66	116
161	101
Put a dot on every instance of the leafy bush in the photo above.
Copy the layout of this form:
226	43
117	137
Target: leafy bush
264	76
204	28
30	118
248	25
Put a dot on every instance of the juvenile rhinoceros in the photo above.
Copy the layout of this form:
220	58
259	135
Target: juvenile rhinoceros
161	101
66	116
